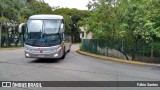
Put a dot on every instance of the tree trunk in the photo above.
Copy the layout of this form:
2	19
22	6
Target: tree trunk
126	56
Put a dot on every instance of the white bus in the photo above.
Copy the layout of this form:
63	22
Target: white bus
44	37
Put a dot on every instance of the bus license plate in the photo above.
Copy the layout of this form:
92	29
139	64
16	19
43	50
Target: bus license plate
41	56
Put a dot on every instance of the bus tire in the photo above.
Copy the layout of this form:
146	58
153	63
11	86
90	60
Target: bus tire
68	50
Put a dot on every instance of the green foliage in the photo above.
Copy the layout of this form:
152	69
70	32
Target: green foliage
80	47
3	19
136	22
13	12
72	18
123	18
20	10
22	19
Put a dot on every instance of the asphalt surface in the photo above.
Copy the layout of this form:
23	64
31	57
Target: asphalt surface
75	67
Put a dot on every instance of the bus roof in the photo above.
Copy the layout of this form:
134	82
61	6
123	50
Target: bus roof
45	16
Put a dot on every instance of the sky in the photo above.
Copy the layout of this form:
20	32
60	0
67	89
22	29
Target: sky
79	4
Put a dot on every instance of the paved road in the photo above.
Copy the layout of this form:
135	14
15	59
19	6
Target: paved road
75	67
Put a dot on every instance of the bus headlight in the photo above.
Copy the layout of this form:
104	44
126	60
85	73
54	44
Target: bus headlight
55	55
27	55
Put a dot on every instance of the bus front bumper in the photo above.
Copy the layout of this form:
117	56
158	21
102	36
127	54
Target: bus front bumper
43	54
57	54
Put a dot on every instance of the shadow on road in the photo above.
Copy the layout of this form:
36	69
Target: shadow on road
46	61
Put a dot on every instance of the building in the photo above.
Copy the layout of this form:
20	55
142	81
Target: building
84	34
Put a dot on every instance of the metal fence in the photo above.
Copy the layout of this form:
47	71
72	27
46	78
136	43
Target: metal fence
147	52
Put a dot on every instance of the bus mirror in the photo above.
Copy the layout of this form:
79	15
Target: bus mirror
20	27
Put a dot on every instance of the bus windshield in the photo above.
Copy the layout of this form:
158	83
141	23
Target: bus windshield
47	40
43	32
51	26
45	26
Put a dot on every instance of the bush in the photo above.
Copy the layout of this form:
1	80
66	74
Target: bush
80	47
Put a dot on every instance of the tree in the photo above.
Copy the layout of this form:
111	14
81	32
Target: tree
72	17
134	22
14	12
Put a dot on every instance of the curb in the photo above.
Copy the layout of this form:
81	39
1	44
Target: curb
115	59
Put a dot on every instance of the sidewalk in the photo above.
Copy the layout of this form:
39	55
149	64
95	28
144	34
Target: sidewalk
74	47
